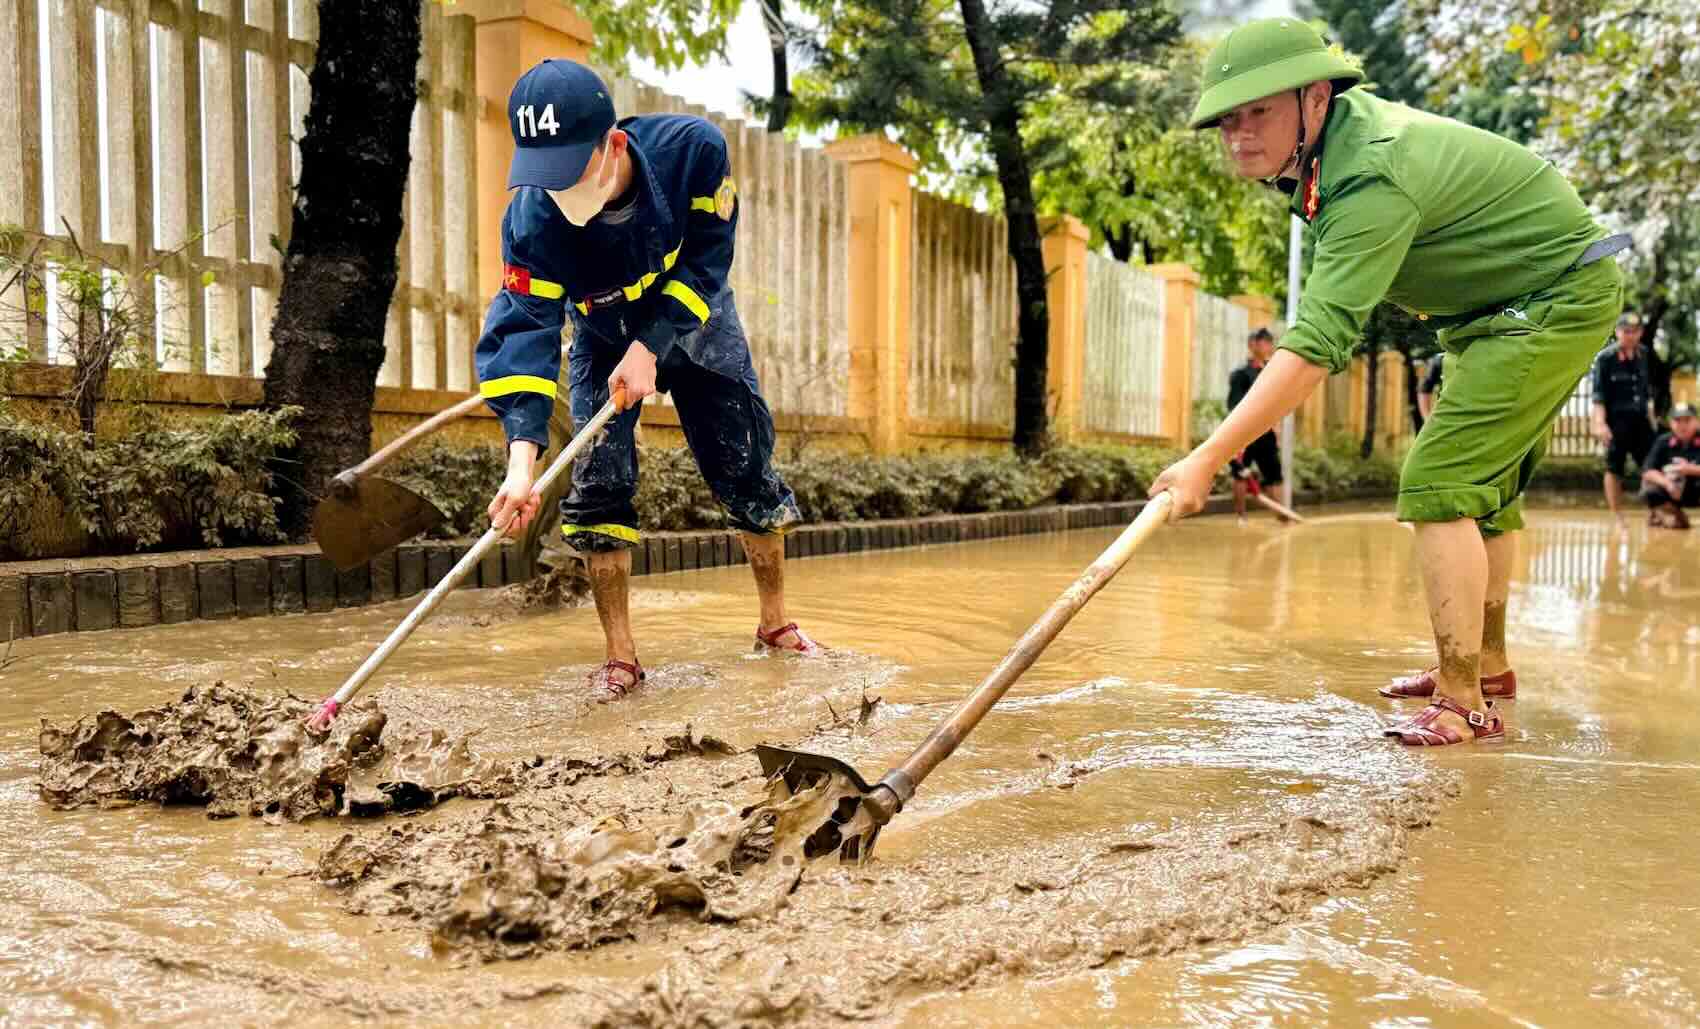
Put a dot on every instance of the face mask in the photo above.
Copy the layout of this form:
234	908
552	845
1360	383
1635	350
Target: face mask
586	199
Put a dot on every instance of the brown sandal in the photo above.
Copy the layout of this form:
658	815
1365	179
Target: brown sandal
605	685
1501	687
1485	726
803	645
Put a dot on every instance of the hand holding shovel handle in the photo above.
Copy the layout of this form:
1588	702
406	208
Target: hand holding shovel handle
322	716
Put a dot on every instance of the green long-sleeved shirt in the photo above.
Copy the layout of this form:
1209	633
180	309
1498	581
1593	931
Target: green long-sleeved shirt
1434	215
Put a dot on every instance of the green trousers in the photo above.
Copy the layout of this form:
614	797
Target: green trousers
1507	376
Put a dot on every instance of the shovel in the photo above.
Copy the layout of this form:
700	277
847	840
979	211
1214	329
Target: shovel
361	517
863	810
326	712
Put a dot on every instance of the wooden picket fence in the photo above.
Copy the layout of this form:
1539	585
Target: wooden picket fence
961	360
1124	349
164	139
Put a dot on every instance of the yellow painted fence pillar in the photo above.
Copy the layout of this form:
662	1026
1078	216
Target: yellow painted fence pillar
1065	241
1180	320
881	228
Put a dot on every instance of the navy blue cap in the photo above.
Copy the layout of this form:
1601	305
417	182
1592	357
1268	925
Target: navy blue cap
558	111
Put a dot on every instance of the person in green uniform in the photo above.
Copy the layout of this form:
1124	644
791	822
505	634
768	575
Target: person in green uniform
1469	232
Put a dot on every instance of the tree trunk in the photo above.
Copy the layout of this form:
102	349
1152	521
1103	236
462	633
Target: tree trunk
1658	370
1373	356
779	110
1025	249
340	270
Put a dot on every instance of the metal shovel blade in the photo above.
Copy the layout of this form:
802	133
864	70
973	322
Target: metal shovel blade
852	837
352	526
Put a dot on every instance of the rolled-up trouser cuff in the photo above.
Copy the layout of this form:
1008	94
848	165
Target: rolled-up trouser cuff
776	521
1451	502
1447	503
600	538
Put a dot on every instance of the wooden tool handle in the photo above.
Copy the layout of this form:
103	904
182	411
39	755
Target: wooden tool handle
945	739
585	437
347	479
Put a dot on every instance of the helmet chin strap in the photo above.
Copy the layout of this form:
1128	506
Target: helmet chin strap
1293	161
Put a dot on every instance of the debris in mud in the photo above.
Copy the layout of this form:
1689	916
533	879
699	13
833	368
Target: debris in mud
238	752
534	873
564	583
850	720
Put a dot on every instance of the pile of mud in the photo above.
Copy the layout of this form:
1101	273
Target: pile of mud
238	752
526	874
693	868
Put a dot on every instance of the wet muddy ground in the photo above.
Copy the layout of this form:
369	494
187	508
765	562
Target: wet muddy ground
1183	815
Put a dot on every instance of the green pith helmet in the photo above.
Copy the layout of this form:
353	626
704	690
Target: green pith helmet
1262	58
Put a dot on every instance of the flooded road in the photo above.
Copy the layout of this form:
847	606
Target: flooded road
1183	815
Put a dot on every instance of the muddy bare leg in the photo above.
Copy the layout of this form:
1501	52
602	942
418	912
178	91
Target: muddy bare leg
767	563
1614	494
1455	579
1501	554
1239	498
610	577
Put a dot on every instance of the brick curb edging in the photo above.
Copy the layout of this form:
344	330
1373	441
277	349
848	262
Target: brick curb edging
181	588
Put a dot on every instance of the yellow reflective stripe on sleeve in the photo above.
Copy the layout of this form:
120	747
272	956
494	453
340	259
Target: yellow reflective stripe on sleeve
702	204
517	384
687	296
619	532
583	308
547	290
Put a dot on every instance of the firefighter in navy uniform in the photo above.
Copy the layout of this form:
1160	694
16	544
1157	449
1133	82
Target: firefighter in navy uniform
628	229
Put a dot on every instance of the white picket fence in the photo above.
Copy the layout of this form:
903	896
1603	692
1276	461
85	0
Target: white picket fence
1124	348
160	132
961	360
1220	329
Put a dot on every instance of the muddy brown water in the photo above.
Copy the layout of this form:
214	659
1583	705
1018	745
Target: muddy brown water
1181	816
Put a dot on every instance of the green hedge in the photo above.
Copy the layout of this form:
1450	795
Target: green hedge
157	487
846	487
208	483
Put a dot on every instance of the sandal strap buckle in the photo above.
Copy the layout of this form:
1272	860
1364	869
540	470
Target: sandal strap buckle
1476	718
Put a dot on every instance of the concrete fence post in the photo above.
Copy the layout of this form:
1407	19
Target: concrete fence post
880	314
1180	323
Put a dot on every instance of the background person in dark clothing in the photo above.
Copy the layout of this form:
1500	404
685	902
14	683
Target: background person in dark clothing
1265	451
1671	478
1623	404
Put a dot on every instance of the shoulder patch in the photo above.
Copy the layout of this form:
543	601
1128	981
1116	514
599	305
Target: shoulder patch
725	199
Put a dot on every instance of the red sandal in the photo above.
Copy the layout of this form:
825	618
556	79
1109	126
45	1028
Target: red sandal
1485	727
803	644
1501	687
605	683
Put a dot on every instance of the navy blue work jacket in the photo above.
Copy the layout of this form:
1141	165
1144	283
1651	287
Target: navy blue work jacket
656	276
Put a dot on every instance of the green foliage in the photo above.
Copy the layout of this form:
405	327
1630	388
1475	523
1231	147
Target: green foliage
459	480
1338	468
668	33
158	486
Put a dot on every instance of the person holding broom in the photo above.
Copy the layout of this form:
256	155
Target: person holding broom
627	227
1472	234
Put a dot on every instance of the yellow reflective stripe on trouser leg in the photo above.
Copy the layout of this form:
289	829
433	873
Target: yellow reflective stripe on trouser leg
619	532
517	384
687	296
